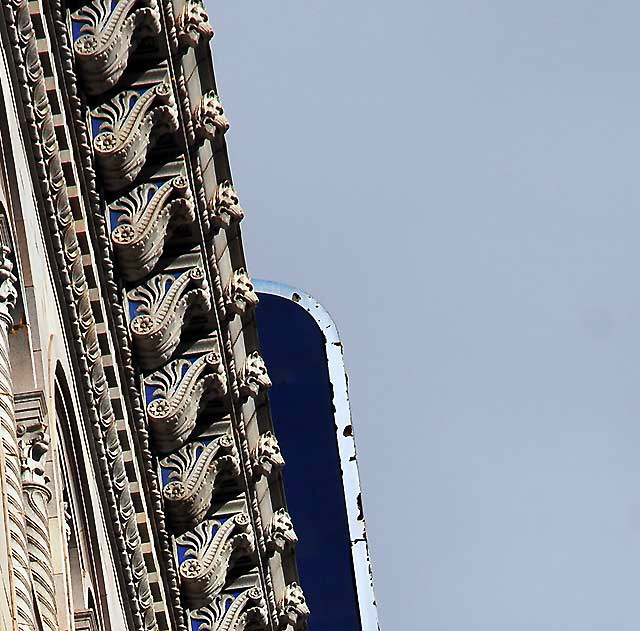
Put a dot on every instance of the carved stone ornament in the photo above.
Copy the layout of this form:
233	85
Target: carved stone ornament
232	613
240	296
161	306
108	34
146	216
209	552
193	471
127	127
267	457
280	533
193	24
209	119
293	610
8	286
253	378
224	207
180	391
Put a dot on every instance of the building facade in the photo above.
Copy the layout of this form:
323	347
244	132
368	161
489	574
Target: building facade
140	474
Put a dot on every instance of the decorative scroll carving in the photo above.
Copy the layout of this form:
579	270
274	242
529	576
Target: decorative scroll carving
108	35
8	286
253	378
209	119
293	610
192	24
146	216
224	207
279	532
239	294
267	457
192	473
161	310
180	391
127	128
229	613
209	553
34	445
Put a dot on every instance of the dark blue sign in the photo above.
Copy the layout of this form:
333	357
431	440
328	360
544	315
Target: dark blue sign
310	411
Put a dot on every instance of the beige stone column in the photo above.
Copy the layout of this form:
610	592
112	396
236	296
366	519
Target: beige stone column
34	442
20	595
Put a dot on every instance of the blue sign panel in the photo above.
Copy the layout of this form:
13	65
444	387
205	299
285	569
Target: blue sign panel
309	406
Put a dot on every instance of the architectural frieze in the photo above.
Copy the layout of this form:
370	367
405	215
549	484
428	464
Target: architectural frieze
228	612
105	35
126	127
177	392
208	552
279	533
224	207
159	308
293	609
144	220
192	24
240	297
253	378
209	119
190	475
267	457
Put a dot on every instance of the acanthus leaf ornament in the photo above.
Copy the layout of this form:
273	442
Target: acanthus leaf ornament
209	118
224	207
8	286
160	311
192	24
253	377
232	613
107	34
240	296
279	532
208	552
191	474
180	390
146	216
126	128
267	457
293	610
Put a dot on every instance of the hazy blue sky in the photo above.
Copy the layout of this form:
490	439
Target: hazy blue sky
457	183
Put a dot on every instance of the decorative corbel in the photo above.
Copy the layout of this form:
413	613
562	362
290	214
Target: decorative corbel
160	309
189	478
253	377
279	532
126	128
267	457
209	551
8	286
240	296
178	392
293	610
146	217
209	120
193	24
224	208
107	33
232	613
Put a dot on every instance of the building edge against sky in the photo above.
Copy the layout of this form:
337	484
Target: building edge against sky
140	472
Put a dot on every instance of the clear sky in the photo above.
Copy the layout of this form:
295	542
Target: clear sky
456	181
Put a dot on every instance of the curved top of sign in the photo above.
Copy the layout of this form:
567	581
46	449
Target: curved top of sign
368	617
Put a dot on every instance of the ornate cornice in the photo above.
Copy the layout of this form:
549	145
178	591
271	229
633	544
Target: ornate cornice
126	127
106	34
190	477
209	551
145	218
160	309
